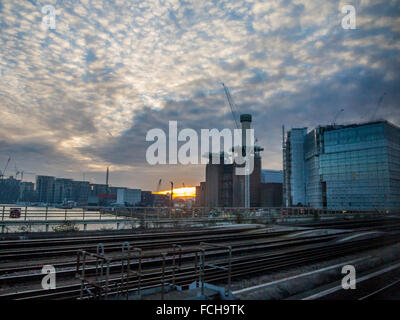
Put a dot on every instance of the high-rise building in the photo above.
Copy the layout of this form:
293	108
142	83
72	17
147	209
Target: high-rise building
63	190
80	192
9	190
27	192
45	187
343	166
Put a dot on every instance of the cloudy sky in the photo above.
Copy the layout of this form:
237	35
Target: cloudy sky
81	97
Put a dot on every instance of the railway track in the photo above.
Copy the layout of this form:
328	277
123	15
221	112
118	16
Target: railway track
37	248
239	247
241	266
153	244
79	240
348	224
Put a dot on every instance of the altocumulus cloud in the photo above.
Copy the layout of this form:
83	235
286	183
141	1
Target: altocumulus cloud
82	96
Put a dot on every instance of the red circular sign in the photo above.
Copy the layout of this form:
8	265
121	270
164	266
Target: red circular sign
15	213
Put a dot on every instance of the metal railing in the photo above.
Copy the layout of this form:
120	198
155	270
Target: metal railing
126	272
143	217
203	265
100	284
175	267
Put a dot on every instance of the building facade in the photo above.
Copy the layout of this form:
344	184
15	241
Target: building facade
27	192
9	190
343	167
63	190
271	194
271	176
130	197
80	192
45	189
201	195
223	187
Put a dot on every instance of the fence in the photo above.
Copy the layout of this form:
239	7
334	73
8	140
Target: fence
162	216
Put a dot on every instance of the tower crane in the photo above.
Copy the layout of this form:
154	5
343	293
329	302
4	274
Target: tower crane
380	100
337	115
247	176
157	190
22	174
5	168
231	104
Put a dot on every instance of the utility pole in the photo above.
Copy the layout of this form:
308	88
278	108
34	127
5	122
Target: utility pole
107	176
284	167
172	193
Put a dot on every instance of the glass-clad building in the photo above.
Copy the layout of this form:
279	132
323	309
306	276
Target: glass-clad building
344	167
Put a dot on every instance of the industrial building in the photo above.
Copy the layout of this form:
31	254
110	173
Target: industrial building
147	198
353	166
271	193
129	197
271	176
223	188
201	195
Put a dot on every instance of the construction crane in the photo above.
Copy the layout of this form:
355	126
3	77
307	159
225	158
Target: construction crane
5	168
337	115
380	100
231	104
22	174
247	176
158	185
157	190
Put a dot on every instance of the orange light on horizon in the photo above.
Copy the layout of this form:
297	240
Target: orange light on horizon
180	192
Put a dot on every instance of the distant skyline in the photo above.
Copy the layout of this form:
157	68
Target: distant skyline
82	97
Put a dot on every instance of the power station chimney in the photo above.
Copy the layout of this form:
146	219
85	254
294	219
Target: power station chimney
107	175
245	120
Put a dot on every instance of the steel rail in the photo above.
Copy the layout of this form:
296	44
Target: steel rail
248	266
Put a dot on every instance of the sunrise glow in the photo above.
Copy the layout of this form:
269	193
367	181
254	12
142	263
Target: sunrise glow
184	192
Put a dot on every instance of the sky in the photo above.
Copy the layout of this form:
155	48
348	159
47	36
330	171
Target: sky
81	97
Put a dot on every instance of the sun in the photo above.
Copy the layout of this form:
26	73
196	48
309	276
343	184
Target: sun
184	192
